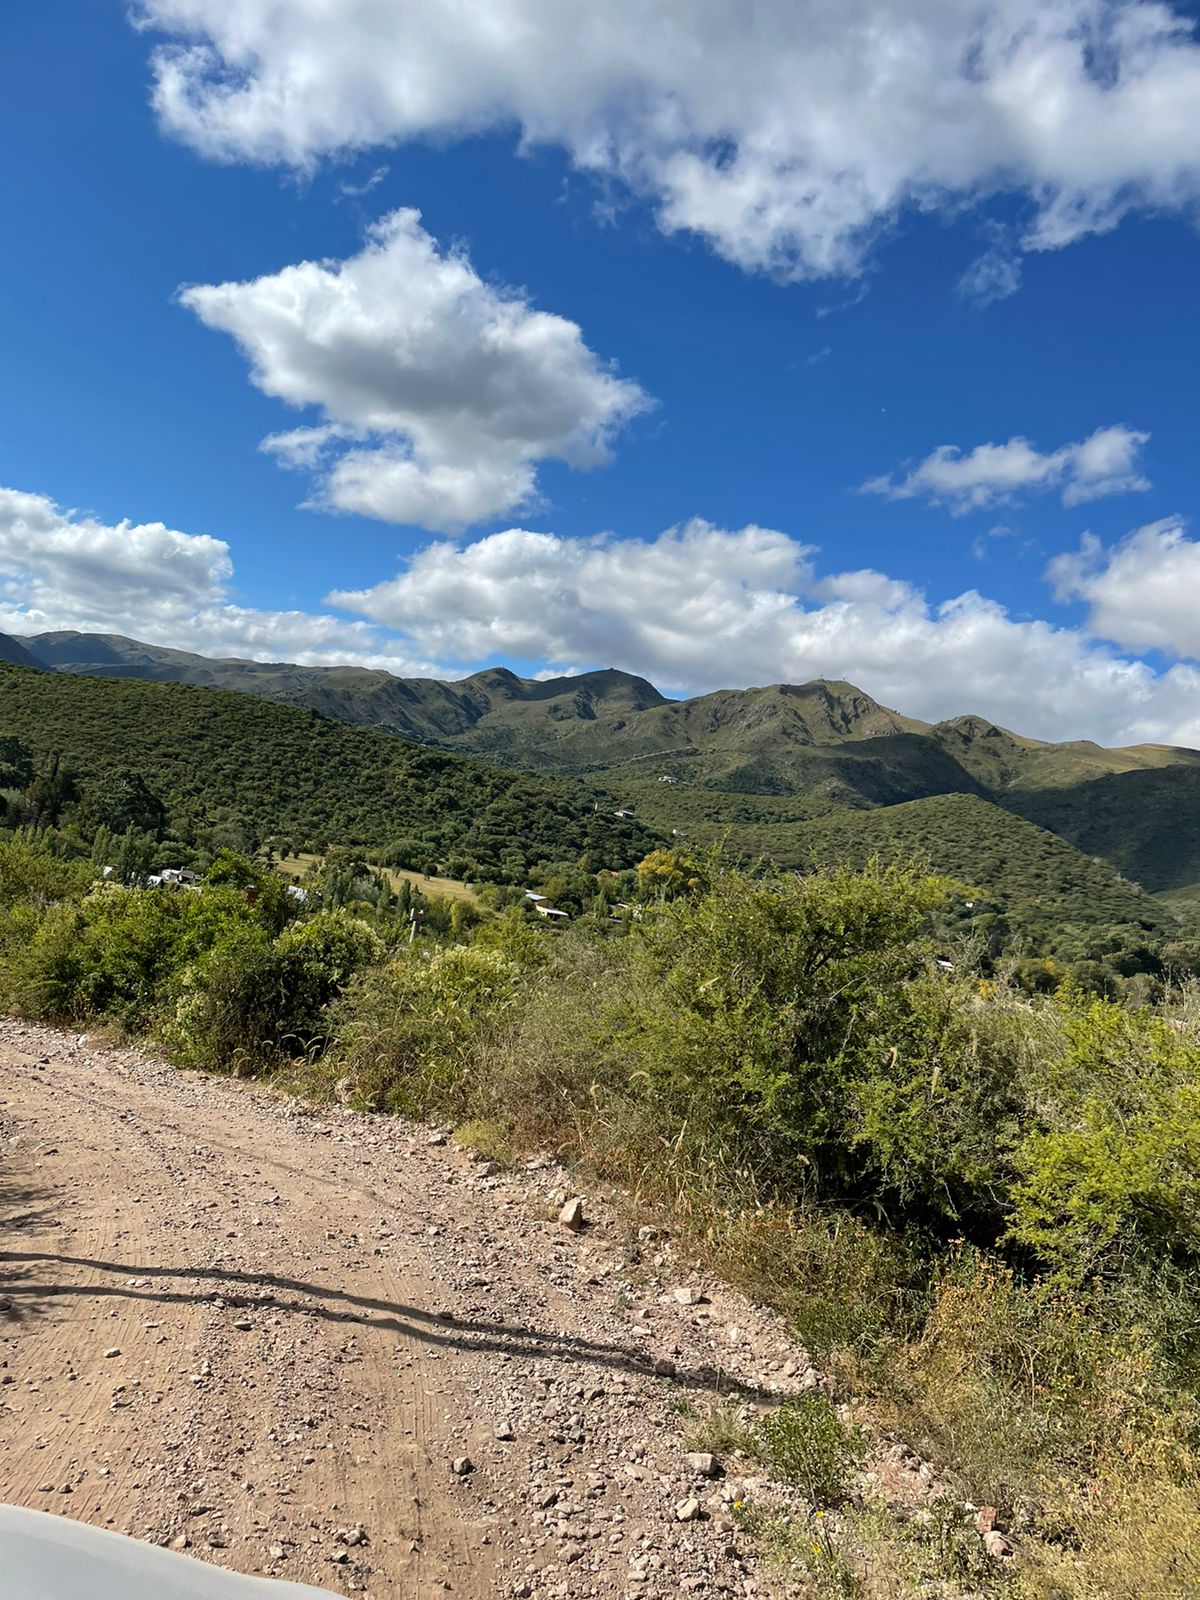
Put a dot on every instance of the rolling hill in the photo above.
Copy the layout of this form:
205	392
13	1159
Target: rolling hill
216	758
1044	883
14	652
753	766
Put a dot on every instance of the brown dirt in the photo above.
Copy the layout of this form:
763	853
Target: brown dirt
270	1331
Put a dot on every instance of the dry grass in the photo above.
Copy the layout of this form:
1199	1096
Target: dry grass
448	888
296	866
1129	1539
487	1138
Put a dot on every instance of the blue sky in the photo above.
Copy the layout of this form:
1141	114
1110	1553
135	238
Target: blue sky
613	399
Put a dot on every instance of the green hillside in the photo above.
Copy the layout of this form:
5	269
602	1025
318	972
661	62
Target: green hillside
1146	822
211	756
15	652
1043	883
492	712
746	766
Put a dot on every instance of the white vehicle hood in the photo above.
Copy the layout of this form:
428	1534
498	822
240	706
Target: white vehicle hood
43	1557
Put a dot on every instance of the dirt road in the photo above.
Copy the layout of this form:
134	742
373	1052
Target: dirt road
317	1345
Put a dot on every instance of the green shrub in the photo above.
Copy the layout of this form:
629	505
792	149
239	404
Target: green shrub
244	1006
45	965
409	1033
743	1006
31	876
335	947
806	1443
938	1100
115	953
1111	1175
252	1002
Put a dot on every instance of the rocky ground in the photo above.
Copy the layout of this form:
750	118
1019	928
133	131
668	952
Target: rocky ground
334	1348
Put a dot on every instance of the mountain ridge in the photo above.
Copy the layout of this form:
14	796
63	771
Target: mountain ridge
746	765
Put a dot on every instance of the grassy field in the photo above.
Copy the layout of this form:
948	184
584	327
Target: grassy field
448	888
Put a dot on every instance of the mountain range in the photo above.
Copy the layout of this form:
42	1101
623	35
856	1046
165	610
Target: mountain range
780	770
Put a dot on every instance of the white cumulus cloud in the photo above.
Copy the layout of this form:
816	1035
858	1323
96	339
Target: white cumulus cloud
1141	593
60	569
1107	462
786	133
437	394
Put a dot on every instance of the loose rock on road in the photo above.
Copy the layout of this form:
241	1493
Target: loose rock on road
312	1344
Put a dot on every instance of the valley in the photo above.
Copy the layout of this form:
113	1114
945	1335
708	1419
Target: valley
791	773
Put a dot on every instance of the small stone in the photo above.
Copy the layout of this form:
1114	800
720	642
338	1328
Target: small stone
704	1463
275	1551
436	1139
688	1510
663	1367
997	1546
571	1215
180	1542
461	1466
243	1325
504	1433
690	1297
985	1519
356	1536
522	1589
109	1354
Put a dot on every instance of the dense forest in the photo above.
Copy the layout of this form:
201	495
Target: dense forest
229	770
1047	887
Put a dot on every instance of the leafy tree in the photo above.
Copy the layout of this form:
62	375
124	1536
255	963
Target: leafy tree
666	874
123	803
16	764
51	791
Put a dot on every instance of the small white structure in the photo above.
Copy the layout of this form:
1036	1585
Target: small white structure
541	904
667	778
627	812
178	875
296	892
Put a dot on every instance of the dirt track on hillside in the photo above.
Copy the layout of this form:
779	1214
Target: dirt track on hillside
271	1333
